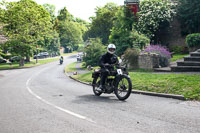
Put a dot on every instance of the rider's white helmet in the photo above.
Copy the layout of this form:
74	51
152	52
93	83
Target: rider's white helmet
111	48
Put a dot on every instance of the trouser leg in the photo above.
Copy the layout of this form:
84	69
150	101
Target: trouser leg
103	77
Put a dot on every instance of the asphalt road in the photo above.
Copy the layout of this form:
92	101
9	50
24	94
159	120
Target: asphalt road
44	100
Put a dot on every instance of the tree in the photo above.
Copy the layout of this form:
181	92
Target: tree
18	48
153	14
64	15
124	35
102	23
51	9
189	14
69	31
93	51
26	22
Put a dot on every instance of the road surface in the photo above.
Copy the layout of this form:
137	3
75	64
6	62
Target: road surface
43	99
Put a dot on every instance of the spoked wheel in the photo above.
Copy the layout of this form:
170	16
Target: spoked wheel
123	88
96	85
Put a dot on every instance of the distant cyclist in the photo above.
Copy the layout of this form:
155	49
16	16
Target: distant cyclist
61	60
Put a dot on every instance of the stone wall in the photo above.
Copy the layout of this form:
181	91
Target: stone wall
148	61
145	61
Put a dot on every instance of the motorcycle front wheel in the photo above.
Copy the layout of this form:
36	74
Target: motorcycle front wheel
95	85
123	88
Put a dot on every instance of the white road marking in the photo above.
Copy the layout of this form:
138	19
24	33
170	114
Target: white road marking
54	106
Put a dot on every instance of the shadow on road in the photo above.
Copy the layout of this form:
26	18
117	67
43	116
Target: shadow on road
93	98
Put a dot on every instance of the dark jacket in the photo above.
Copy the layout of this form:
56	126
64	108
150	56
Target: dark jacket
107	58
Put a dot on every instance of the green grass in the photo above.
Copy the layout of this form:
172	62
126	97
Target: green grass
177	57
28	64
187	85
32	63
86	77
179	84
71	67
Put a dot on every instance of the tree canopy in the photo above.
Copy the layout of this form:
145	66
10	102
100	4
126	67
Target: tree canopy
189	15
152	14
102	23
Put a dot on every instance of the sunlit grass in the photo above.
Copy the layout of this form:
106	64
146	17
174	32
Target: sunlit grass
187	85
177	57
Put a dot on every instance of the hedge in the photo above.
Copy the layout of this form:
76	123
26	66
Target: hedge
193	40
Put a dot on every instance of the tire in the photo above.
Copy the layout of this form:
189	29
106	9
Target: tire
95	85
123	86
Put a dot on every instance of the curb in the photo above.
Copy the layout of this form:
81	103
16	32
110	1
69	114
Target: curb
179	97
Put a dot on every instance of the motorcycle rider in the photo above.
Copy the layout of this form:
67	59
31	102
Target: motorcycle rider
105	61
61	59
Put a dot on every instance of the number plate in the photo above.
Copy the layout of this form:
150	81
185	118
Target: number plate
119	71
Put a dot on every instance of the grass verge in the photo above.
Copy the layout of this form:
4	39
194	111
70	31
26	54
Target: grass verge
32	63
179	84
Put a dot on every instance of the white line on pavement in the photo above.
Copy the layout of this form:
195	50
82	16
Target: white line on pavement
48	103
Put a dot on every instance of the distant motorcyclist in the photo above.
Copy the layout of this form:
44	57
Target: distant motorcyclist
105	61
61	60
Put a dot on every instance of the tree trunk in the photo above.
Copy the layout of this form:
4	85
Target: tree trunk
27	59
21	62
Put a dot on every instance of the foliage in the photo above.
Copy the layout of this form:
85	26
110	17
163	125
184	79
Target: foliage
26	21
93	51
123	35
189	14
51	9
69	31
164	55
120	33
52	43
64	15
139	40
131	56
82	25
2	11
178	49
153	14
69	34
102	23
193	40
5	56
16	47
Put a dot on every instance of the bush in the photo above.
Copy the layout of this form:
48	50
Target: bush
164	54
154	14
93	51
179	49
139	40
193	40
131	56
5	56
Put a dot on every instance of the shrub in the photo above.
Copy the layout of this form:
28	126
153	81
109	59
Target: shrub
154	14
131	56
179	49
5	56
193	40
93	51
139	40
164	54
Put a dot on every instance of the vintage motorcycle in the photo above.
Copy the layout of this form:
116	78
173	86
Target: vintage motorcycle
118	82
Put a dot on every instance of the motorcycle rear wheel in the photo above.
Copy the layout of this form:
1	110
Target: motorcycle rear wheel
123	88
95	85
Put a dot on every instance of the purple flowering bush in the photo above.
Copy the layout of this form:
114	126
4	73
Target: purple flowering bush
164	54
